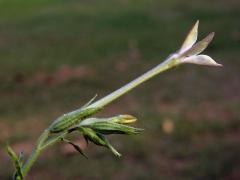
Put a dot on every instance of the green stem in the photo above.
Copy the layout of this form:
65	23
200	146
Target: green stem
53	140
167	64
35	153
43	143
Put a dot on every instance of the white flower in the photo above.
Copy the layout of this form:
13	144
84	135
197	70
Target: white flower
190	50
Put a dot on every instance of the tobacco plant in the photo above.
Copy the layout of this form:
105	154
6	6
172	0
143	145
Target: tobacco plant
95	129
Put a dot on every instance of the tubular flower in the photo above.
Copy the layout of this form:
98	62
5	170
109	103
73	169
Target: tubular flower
190	50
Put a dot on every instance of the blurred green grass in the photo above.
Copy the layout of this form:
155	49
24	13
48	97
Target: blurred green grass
106	44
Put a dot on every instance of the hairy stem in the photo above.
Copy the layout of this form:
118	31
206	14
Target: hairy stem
54	140
43	143
35	153
72	118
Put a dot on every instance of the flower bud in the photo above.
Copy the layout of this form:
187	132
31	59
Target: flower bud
97	139
114	125
114	128
121	119
124	119
68	120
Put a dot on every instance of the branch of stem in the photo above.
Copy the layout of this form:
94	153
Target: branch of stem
43	143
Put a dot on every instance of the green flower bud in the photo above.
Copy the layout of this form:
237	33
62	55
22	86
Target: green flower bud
68	120
124	119
109	125
121	119
97	139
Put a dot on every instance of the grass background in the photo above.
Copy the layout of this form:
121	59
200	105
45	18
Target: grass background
55	55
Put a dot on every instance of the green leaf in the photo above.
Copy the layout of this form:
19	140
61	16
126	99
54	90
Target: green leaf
75	146
89	102
20	158
17	164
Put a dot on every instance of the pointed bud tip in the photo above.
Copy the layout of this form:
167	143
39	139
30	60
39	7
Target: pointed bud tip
126	118
197	23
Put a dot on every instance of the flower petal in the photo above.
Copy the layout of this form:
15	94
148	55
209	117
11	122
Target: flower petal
200	60
124	119
190	39
199	46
